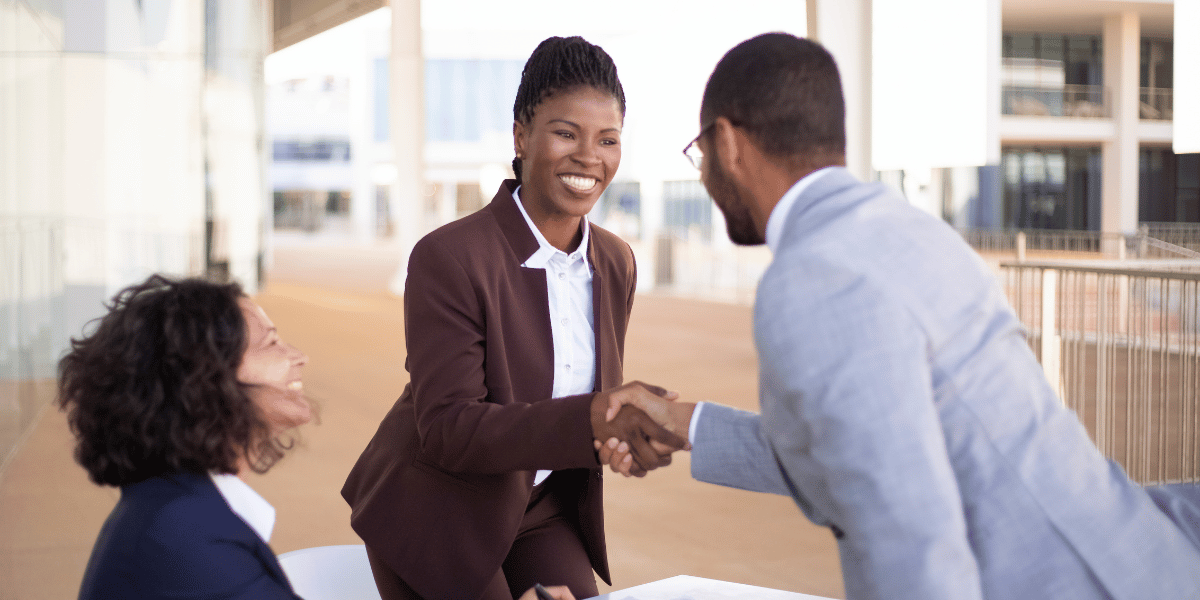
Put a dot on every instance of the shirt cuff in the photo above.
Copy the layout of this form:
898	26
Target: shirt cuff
692	425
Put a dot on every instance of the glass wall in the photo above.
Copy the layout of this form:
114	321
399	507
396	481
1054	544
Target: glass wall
1052	188
31	199
130	143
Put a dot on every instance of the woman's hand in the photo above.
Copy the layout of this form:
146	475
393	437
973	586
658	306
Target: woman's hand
558	592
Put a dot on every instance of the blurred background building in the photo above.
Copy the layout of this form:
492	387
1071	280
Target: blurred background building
191	136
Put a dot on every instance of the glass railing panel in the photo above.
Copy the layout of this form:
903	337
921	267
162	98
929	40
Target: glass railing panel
1156	104
1076	101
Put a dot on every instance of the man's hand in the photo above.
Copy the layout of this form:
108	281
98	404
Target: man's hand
633	426
677	417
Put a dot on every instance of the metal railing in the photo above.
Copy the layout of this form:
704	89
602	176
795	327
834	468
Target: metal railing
1120	342
1157	104
1079	101
1051	240
1186	235
1148	243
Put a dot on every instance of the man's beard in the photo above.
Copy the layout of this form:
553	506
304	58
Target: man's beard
736	210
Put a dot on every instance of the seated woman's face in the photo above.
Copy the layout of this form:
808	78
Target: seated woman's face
272	370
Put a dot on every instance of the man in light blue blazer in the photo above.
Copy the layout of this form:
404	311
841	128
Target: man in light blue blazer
901	404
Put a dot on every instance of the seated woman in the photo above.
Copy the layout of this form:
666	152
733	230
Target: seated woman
183	387
180	389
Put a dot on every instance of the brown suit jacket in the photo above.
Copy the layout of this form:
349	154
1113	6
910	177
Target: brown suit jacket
441	489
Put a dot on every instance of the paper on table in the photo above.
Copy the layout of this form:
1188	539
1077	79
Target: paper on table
686	587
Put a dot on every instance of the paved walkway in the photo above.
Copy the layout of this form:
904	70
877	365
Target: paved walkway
331	303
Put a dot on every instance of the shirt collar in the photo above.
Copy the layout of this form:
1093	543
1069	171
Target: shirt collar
246	503
545	251
780	212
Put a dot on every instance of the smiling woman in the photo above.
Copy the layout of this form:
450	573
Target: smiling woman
483	480
180	388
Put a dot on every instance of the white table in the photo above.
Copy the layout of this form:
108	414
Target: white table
686	587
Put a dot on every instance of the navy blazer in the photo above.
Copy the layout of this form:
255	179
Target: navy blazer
174	536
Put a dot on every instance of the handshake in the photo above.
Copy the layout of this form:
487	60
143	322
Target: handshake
637	427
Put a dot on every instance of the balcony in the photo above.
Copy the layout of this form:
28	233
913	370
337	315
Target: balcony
1156	104
1073	101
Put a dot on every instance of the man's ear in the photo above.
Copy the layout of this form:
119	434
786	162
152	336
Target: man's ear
730	143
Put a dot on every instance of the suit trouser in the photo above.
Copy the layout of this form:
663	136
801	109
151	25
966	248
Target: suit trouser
548	550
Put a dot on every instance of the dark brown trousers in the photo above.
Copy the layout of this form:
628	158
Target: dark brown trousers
547	550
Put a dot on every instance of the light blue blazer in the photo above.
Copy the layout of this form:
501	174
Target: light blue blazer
902	407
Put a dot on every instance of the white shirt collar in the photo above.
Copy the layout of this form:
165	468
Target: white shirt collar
246	503
780	212
545	251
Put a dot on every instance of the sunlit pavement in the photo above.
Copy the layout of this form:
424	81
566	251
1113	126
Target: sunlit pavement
332	303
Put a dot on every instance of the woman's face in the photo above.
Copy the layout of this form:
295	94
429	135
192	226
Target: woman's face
569	151
270	368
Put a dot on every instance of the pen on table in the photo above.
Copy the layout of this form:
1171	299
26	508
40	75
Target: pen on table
541	592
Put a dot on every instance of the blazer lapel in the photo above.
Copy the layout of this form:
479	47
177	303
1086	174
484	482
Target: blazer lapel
204	485
607	365
271	562
538	341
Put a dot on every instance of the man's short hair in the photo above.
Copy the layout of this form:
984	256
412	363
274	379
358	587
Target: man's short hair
784	90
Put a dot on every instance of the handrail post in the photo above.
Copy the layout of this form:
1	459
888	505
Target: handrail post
1020	246
1051	344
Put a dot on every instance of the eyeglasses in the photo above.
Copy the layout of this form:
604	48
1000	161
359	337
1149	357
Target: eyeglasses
692	150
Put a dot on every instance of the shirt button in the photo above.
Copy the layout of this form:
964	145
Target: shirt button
568	367
562	275
565	321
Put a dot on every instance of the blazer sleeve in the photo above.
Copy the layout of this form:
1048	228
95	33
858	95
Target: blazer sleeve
731	449
459	429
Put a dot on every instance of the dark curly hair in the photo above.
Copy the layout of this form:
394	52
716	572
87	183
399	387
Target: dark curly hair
559	64
153	388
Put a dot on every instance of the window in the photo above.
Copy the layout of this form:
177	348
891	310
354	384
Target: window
467	99
687	209
620	209
1052	188
321	150
1052	75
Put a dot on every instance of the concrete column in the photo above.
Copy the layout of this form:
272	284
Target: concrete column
448	206
652	222
362	142
1187	78
1119	188
407	113
844	28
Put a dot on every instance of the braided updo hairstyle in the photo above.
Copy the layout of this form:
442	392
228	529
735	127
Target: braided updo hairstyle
559	64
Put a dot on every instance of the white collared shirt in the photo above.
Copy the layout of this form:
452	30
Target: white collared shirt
246	503
569	291
774	232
